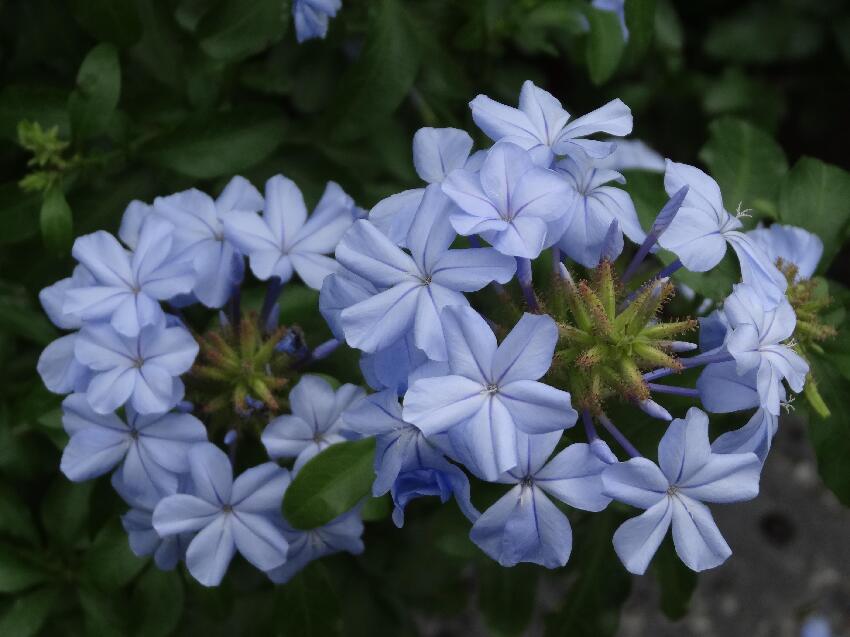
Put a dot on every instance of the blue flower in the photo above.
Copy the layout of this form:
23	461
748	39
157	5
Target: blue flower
517	206
342	534
284	240
59	369
413	288
406	463
792	245
385	368
492	392
595	207
199	234
699	233
149	451
127	287
436	153
524	525
756	436
755	341
312	17
688	473
315	422
542	126
138	523
226	514
144	370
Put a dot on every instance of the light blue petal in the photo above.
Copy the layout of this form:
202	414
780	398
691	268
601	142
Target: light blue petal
536	408
438	151
524	526
637	539
210	552
574	476
698	541
638	482
258	540
526	352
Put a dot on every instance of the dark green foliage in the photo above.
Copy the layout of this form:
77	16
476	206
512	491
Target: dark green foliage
106	101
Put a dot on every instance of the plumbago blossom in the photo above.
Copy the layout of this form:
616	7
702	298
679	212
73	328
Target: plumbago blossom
481	361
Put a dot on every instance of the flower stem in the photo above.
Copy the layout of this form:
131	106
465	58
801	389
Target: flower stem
272	294
675	391
621	439
523	271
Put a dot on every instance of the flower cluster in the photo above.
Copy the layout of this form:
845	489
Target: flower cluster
491	316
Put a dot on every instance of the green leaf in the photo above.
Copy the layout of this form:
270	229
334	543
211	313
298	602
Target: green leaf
28	613
24	321
56	220
747	163
236	29
98	90
640	20
506	597
104	615
109	562
831	436
115	21
15	517
223	144
18	214
605	44
16	573
65	511
157	603
330	484
677	581
816	196
307	606
375	85
601	585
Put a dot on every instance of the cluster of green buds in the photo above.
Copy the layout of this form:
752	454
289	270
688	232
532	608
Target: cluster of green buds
810	300
243	371
606	342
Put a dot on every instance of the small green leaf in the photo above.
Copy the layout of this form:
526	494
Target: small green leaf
223	144
98	90
27	614
507	597
816	196
677	581
16	573
605	44
374	87
56	220
747	164
236	29
640	20
330	484
157	602
109	562
115	21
